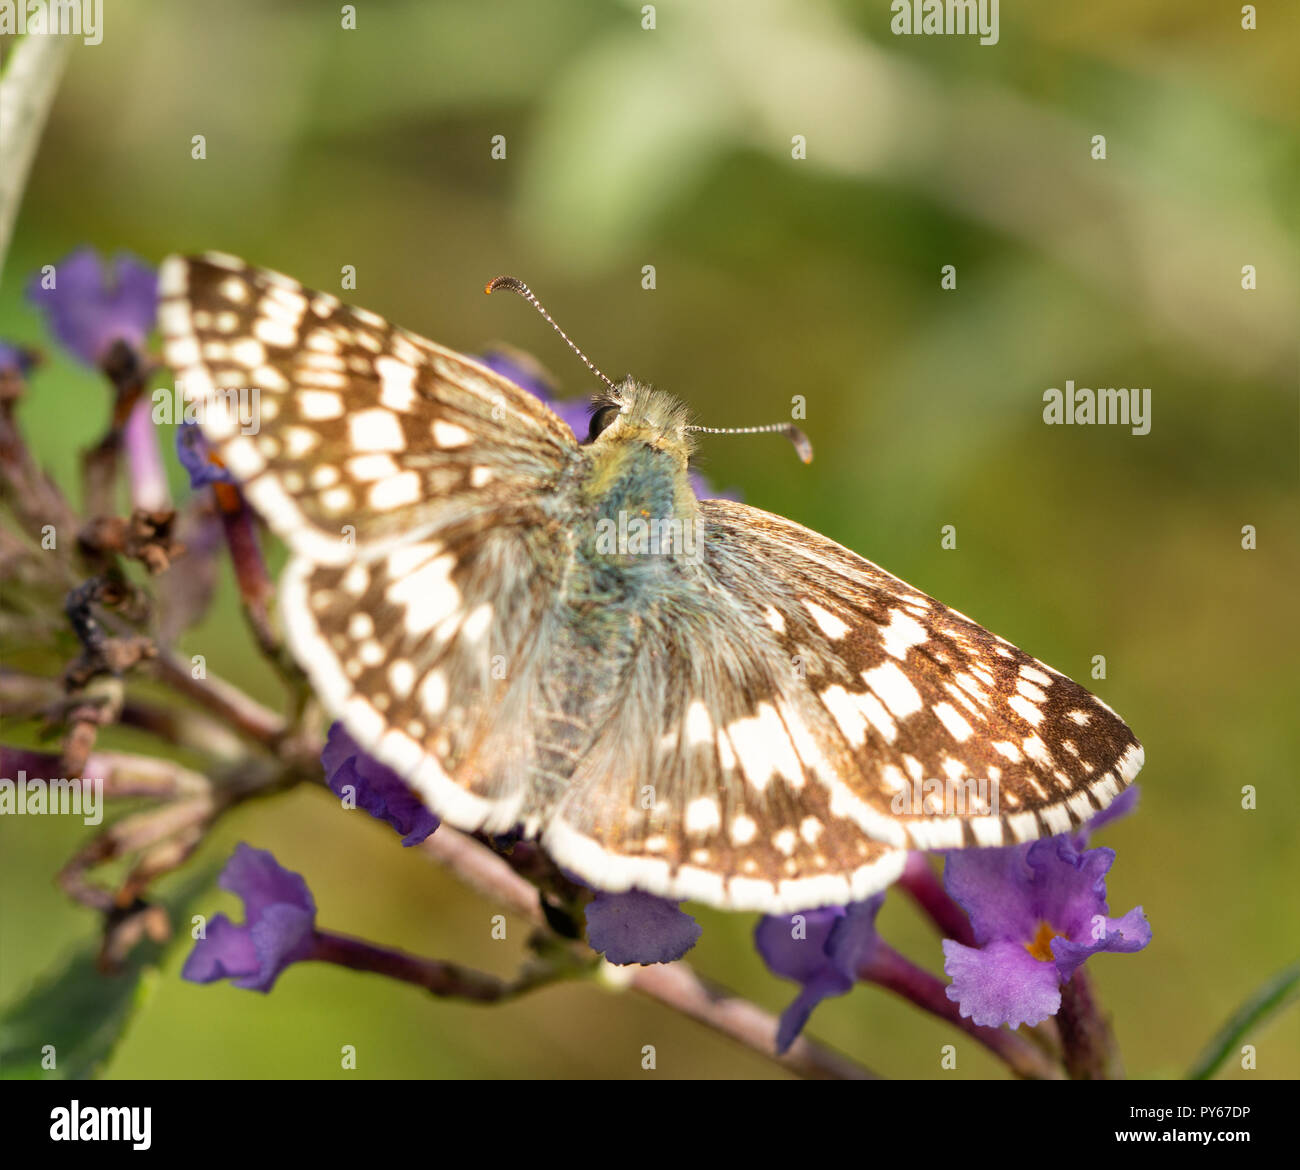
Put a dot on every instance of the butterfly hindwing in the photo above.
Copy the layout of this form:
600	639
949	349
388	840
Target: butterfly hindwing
798	717
928	703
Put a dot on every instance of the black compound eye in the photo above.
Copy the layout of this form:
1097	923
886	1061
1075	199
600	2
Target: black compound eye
602	419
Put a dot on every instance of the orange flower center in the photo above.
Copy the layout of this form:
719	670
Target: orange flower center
1041	947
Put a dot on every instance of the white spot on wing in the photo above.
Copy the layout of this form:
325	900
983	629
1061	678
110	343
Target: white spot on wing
397	383
703	815
894	688
827	622
376	429
952	719
448	435
902	633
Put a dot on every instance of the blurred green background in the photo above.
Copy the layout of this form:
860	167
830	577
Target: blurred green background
774	277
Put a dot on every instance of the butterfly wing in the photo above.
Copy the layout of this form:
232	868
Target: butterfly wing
807	716
354	434
420	494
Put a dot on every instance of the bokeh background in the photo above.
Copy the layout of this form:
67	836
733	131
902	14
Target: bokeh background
774	277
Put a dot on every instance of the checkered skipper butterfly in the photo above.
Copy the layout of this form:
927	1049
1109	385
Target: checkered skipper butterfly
756	718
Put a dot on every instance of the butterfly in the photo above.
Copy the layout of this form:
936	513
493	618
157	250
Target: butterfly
691	697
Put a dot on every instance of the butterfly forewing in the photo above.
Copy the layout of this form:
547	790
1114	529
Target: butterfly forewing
345	430
419	491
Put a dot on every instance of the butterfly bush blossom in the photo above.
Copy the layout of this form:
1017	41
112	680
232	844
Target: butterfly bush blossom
1036	913
279	927
636	927
92	304
15	360
1039	912
822	950
357	777
196	457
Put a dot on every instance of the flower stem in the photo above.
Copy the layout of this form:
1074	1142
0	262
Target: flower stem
1086	1037
144	463
925	888
447	980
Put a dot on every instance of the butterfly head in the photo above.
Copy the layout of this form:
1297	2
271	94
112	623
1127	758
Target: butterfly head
633	413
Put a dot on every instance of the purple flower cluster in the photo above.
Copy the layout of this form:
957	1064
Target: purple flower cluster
365	782
636	927
279	925
1038	912
89	305
821	950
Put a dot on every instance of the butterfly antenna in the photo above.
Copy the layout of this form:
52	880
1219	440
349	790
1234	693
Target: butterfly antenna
518	286
801	444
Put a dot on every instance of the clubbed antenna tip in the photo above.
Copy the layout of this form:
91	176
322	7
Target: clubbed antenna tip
515	285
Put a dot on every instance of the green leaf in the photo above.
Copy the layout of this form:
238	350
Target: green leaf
81	1012
1269	999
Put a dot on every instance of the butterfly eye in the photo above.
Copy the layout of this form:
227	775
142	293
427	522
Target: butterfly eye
602	419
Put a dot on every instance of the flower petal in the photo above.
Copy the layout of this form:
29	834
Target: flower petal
1123	936
636	927
282	935
794	946
1001	983
225	951
195	456
796	1016
1069	888
93	305
262	882
377	788
996	889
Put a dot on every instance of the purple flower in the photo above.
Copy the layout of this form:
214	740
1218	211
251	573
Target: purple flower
1038	912
91	306
820	949
1121	806
528	374
16	359
280	926
636	927
705	490
196	457
522	369
374	787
